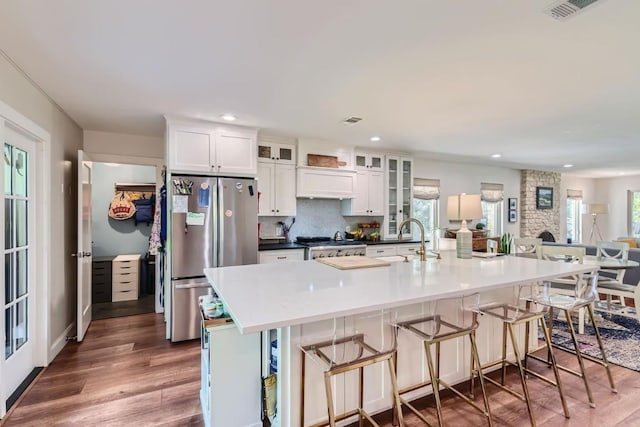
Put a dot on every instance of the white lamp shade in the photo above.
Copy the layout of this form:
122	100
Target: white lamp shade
597	208
463	207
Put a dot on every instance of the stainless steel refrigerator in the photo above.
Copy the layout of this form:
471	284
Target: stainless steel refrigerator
214	223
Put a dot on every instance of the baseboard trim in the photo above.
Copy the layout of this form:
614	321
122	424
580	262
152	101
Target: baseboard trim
57	346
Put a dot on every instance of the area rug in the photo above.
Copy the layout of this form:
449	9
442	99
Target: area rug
620	335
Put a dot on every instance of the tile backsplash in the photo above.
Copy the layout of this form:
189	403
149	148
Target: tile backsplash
315	217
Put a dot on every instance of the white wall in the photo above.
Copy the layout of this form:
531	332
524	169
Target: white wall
614	192
456	178
110	236
66	138
119	144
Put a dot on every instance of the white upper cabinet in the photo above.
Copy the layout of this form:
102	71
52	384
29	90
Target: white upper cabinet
277	187
236	152
368	197
276	178
211	148
369	161
398	195
276	153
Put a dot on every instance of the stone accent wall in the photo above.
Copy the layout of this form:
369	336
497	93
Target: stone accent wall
534	221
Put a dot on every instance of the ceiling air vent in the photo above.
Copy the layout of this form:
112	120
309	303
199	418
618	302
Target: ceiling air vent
351	120
566	9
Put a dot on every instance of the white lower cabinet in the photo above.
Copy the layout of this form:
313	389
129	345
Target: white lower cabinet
280	255
230	377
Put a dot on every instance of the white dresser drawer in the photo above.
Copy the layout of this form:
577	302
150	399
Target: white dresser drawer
125	267
125	277
126	295
125	285
381	250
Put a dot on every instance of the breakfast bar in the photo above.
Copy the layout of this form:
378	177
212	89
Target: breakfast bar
287	302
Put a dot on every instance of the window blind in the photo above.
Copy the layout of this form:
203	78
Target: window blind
426	189
492	193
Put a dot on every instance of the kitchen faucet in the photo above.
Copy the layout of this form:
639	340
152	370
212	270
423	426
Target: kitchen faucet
423	248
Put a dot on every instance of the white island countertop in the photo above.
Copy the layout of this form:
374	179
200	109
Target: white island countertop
267	296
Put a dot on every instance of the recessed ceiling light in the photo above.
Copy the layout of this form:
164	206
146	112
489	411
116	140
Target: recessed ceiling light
228	117
567	166
375	139
496	156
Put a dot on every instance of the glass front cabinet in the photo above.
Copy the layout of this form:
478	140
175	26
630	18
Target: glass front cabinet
398	196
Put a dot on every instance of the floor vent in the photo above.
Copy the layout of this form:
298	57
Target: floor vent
566	9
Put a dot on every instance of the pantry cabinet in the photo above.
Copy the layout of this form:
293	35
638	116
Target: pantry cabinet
277	180
398	195
211	149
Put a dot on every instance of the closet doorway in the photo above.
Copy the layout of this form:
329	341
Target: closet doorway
123	269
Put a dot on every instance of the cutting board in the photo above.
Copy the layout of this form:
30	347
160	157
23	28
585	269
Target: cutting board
323	161
352	262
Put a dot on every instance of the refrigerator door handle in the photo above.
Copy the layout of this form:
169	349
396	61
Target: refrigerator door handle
193	285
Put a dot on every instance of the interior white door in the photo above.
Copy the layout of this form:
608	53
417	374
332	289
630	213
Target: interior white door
18	304
84	244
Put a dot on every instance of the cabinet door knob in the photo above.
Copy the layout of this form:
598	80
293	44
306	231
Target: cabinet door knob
277	158
273	158
277	210
273	210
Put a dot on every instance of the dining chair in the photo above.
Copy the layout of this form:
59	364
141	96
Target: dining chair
528	245
610	282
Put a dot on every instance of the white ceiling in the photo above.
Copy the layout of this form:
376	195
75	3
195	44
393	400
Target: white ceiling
455	79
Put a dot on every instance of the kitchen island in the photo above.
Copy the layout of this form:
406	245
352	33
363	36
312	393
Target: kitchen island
293	301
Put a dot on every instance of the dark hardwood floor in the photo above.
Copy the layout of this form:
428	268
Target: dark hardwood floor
126	374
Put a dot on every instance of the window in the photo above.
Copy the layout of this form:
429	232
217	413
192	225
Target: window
491	196
633	222
574	216
426	198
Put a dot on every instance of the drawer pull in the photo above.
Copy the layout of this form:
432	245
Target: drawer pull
282	257
380	251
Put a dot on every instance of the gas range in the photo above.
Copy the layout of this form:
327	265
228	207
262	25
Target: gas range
325	247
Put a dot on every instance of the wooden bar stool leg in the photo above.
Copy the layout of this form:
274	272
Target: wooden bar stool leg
327	387
361	396
476	357
503	371
302	374
521	371
556	372
579	357
605	362
435	382
398	418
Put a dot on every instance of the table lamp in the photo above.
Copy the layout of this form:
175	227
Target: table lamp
595	209
463	207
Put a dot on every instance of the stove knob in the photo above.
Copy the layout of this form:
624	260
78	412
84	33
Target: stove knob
330	254
321	255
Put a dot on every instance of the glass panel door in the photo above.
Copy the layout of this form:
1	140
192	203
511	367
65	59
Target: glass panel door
392	203
16	250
